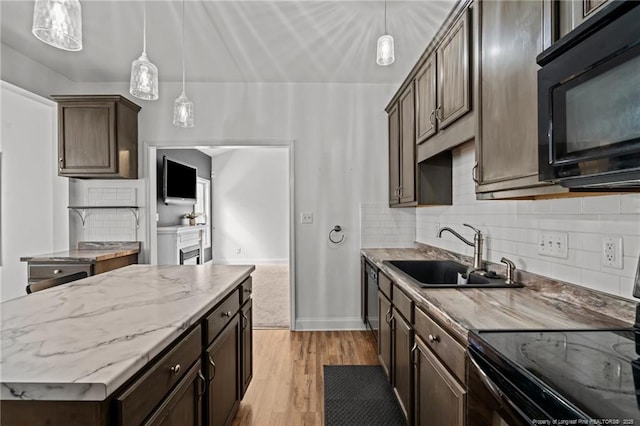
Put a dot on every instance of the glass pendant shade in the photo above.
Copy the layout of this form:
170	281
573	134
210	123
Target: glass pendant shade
385	54
183	111
144	79
58	23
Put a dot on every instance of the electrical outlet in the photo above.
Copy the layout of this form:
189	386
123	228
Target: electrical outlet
306	217
238	250
612	251
553	244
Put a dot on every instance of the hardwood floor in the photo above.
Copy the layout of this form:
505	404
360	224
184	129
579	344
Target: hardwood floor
287	387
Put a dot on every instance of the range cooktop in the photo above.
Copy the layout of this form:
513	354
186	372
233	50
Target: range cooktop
569	374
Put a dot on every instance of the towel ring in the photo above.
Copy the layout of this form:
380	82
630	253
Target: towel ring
336	228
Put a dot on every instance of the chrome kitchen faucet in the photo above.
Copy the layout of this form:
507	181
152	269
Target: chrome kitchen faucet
478	240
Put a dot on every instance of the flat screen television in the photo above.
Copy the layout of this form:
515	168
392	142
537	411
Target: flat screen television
178	182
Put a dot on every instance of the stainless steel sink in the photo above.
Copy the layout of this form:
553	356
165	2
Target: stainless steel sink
444	274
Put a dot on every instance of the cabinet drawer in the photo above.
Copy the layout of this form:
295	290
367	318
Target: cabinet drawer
222	314
246	289
41	272
139	399
450	352
402	303
384	284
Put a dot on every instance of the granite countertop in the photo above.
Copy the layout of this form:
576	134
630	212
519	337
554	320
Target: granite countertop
83	340
88	252
541	304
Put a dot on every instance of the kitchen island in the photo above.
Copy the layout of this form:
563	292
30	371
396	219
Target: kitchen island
92	257
87	344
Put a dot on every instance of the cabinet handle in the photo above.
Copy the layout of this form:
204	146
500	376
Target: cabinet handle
438	116
386	316
57	271
400	191
433	338
245	321
213	364
474	174
204	383
175	369
432	118
247	290
60	164
227	314
413	353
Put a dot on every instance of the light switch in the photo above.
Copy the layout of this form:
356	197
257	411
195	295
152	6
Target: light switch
306	217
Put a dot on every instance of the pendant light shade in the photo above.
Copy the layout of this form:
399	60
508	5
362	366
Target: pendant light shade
183	106
385	53
58	23
183	111
144	75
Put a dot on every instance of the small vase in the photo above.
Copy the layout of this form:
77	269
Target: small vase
192	222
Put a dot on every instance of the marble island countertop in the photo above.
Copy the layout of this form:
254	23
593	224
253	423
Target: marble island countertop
83	340
88	252
540	304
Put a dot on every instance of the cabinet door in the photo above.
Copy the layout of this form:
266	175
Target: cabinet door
407	147
402	372
426	100
222	375
183	406
86	138
394	155
246	349
453	73
384	333
439	398
507	147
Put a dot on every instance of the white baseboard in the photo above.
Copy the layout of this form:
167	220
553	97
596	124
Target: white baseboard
249	261
329	324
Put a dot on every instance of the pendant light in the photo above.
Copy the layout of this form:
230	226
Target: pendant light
144	75
58	23
183	106
385	52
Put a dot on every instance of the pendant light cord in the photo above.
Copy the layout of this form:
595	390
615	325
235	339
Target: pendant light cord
144	27
385	16
183	47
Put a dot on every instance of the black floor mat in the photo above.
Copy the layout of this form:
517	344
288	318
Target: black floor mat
359	395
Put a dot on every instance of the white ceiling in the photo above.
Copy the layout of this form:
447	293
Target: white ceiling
236	41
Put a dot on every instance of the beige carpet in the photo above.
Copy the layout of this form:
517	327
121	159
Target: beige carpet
271	296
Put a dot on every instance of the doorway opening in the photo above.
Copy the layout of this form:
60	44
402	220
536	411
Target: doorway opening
250	217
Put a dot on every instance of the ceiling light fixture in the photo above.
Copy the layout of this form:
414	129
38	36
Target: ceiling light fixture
183	106
144	75
58	23
385	52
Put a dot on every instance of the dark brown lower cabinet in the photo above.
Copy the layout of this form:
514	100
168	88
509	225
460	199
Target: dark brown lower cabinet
246	348
183	406
384	333
439	398
221	358
402	365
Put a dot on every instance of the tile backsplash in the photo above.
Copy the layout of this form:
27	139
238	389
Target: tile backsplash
512	228
110	224
384	227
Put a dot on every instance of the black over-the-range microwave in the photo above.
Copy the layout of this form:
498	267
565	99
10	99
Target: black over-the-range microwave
589	103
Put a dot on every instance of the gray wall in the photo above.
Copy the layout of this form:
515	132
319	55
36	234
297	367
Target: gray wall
170	215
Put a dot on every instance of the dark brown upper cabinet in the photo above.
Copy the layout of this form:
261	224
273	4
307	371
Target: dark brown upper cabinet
443	83
97	136
454	98
426	102
402	160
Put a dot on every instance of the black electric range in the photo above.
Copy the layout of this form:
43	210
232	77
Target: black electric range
563	377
